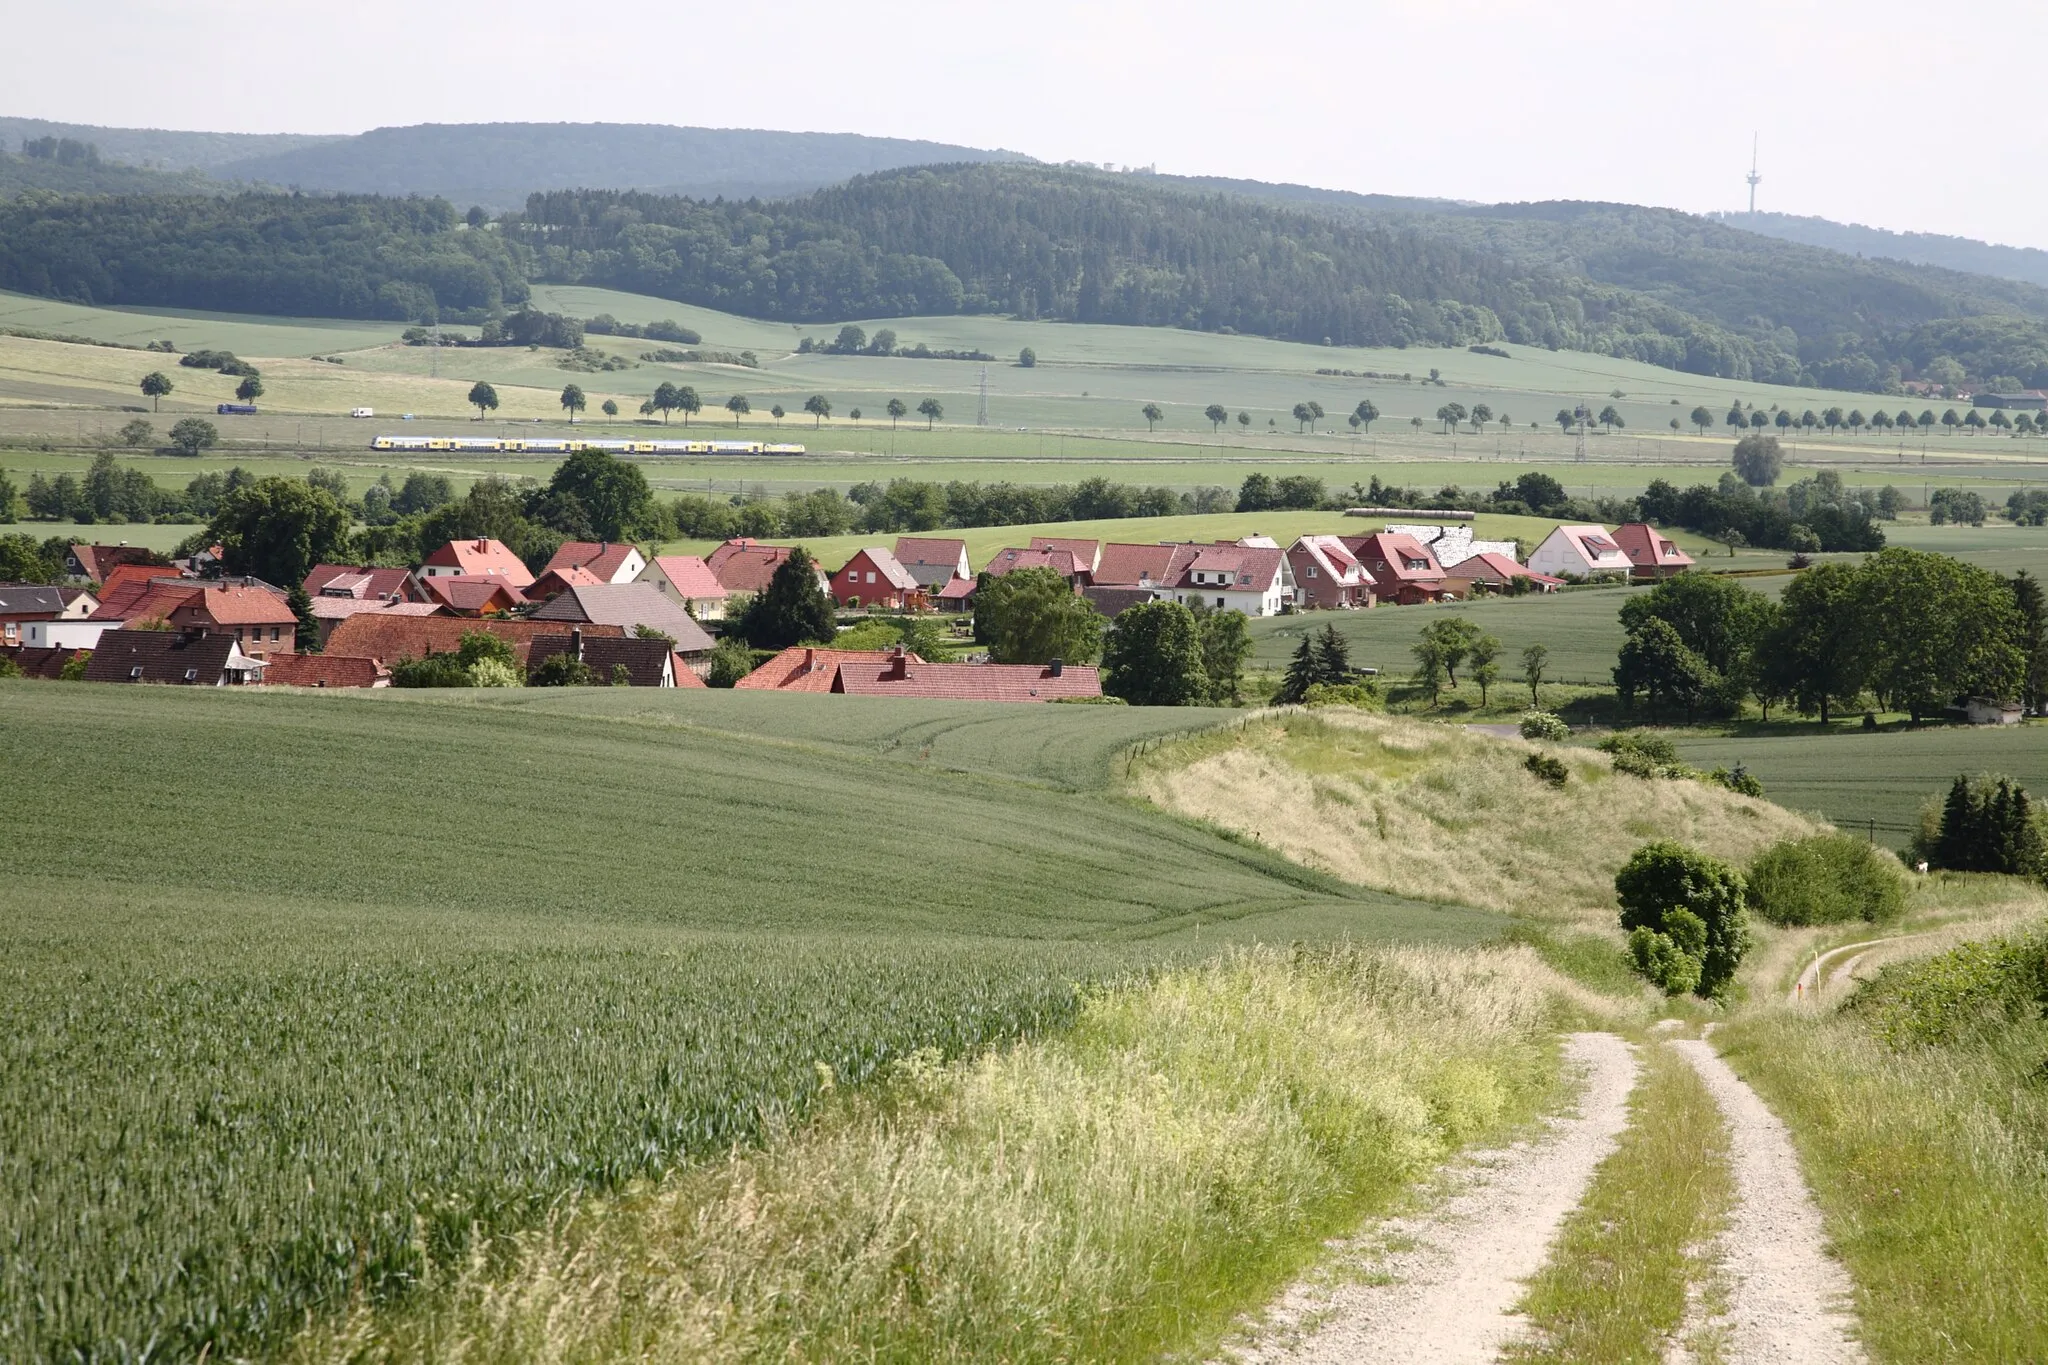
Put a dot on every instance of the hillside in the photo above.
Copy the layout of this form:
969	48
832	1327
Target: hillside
2026	264
161	148
91	175
499	164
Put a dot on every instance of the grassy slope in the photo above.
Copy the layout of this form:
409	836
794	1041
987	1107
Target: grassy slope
244	1008
1438	812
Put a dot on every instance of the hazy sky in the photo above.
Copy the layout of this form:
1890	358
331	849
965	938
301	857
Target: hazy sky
1902	115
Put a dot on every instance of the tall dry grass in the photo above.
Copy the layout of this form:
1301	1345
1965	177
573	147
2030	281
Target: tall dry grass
1110	1193
1436	812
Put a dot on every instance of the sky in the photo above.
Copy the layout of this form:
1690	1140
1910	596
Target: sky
1893	114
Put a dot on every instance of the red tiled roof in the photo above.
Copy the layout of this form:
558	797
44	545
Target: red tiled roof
745	565
1086	553
238	607
492	557
1491	566
1247	568
601	559
1129	565
802	668
324	670
1396	550
1649	548
1010	560
39	663
388	638
97	561
965	682
959	589
142	600
472	592
341	608
358	582
921	550
121	575
1335	557
690	576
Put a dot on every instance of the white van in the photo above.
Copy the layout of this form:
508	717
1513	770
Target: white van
362	412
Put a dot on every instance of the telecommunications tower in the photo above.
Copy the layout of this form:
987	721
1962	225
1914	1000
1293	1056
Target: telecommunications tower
981	413
1753	176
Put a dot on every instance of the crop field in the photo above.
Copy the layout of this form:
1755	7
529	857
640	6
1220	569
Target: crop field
448	958
1582	630
1874	783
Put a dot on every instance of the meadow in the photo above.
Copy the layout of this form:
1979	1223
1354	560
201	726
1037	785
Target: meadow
441	960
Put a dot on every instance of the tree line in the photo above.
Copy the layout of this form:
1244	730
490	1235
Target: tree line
1910	630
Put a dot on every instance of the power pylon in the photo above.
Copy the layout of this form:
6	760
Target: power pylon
981	413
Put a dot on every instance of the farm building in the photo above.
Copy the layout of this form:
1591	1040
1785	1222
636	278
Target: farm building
901	675
324	670
1581	552
2031	400
1651	553
873	580
687	581
1489	572
1453	544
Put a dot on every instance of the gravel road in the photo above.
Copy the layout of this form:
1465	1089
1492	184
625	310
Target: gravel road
1788	1299
1438	1286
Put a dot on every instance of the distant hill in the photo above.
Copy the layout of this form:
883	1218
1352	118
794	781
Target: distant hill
498	164
2026	263
158	148
19	174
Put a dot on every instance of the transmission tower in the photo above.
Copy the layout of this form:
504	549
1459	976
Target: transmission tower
1585	416
981	413
1753	176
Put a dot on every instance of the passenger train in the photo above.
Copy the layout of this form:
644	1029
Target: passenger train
552	446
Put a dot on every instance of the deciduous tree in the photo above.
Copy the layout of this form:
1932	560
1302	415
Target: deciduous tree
573	401
483	398
1033	616
1152	656
156	386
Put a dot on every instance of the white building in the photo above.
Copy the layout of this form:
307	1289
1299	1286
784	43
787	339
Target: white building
1580	552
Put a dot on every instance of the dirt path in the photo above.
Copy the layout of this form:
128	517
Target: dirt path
1788	1299
1438	1286
1817	976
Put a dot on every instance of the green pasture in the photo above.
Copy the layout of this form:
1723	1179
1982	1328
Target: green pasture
444	958
1581	628
1855	777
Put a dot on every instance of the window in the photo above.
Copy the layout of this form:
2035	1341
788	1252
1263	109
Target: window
871	575
273	632
191	675
1311	571
1220	603
135	673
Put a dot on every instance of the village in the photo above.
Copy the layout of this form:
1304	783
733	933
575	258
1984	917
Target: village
632	619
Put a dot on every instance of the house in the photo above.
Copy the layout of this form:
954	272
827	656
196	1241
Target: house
873	580
648	663
933	562
481	557
258	619
629	606
20	605
1230	576
554	582
1061	562
123	576
1581	552
1327	576
687	581
1489	572
1651	553
802	668
324	670
900	675
1112	600
1403	570
330	612
473	594
348	581
96	561
1087	553
176	658
601	559
746	565
958	595
388	636
64	635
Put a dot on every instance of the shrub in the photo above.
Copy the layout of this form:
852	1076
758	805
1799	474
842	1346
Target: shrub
1659	956
1548	768
1545	725
1363	695
1645	755
561	670
1973	990
493	673
730	662
1737	779
1664	890
1824	879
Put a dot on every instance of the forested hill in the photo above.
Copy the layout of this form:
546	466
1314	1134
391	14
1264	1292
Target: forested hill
2024	263
158	148
498	164
1650	284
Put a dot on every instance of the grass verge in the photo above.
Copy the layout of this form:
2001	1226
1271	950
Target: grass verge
1113	1192
1629	1258
1931	1168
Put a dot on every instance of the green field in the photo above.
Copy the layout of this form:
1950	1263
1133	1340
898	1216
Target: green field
445	958
1855	778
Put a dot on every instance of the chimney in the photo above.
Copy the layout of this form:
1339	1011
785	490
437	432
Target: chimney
1056	667
810	659
899	667
576	644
